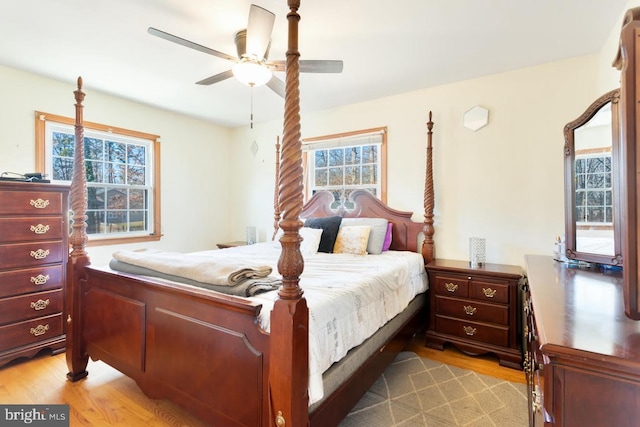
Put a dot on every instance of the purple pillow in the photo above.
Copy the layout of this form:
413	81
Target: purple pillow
387	238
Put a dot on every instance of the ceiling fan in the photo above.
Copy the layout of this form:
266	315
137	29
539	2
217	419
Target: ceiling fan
252	66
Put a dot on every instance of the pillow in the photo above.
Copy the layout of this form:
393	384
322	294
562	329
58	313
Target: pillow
378	231
329	226
387	239
311	240
352	240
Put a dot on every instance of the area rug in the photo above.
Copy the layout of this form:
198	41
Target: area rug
414	391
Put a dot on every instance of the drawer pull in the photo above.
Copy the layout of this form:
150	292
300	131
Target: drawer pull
39	203
39	279
469	310
40	253
40	229
488	292
39	330
469	330
451	287
40	304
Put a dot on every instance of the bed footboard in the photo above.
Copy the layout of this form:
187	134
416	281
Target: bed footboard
202	351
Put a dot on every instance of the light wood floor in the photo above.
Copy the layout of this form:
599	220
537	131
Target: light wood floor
108	398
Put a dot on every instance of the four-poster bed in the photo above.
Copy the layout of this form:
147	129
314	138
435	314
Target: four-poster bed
205	350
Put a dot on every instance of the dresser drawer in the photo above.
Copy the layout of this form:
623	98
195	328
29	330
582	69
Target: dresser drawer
24	281
29	306
452	286
472	310
490	334
485	290
30	229
31	203
31	254
30	331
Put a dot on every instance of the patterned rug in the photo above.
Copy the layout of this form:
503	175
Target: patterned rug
420	392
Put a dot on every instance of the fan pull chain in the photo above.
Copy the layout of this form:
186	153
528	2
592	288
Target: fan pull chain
251	89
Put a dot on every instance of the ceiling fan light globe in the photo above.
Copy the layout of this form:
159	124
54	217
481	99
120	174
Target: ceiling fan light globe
251	73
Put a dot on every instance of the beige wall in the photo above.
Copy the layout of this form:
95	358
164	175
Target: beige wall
194	155
503	182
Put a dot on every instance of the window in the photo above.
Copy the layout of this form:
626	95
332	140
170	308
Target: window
123	176
345	162
593	189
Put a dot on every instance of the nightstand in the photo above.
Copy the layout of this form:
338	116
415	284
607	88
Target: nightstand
476	309
231	244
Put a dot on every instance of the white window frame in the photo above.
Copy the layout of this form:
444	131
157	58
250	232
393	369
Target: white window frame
367	137
47	124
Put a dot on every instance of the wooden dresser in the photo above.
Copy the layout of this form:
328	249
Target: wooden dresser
476	309
34	249
583	355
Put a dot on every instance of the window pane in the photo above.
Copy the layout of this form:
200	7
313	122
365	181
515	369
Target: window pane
138	199
368	174
96	197
93	171
136	154
595	214
370	154
336	176
137	220
115	173
581	182
336	157
581	215
352	175
321	177
595	164
116	222
62	169
93	149
116	152
580	199
608	214
595	198
116	199
321	159
63	144
352	156
135	175
579	165
95	222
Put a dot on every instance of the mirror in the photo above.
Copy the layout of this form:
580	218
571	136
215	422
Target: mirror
592	223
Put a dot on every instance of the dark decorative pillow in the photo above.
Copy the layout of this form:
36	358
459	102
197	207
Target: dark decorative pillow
330	226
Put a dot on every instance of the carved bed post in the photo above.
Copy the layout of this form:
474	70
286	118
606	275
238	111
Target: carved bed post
428	246
276	202
289	342
76	356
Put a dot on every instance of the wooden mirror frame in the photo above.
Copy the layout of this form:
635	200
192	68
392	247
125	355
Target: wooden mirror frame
572	251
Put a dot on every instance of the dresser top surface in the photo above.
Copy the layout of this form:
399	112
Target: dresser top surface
581	309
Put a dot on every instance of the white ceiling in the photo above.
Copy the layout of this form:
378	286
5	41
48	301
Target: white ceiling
387	47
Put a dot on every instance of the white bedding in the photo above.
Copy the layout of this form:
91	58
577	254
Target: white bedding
380	286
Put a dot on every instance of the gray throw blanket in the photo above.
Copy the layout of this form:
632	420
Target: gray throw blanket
226	274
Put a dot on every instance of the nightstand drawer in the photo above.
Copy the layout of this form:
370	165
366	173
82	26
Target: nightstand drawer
496	335
24	281
452	286
484	290
30	331
28	306
472	310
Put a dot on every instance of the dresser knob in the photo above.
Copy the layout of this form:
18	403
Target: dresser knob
488	292
39	203
469	310
40	304
469	330
39	279
39	330
40	229
451	287
40	253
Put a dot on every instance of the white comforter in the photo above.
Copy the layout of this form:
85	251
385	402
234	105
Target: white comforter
378	286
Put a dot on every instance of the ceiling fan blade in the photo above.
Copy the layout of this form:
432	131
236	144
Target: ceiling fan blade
259	29
217	78
189	44
311	66
276	85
